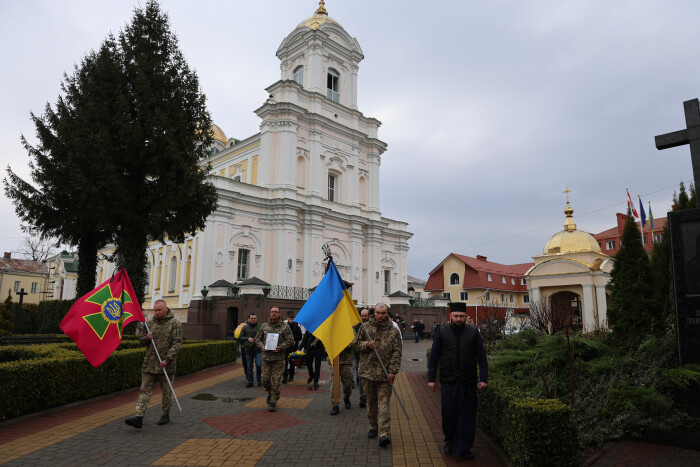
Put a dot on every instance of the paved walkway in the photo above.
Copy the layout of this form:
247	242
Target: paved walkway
224	423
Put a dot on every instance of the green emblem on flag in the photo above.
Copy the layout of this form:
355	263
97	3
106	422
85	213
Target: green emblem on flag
111	311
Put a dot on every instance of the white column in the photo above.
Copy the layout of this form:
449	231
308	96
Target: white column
602	305
588	304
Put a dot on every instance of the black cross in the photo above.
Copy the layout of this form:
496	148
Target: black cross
21	294
690	136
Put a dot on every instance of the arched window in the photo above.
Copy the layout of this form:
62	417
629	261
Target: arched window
149	269
188	270
454	279
172	275
333	78
299	74
332	187
301	172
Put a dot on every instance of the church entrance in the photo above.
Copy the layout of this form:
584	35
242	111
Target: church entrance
570	304
231	320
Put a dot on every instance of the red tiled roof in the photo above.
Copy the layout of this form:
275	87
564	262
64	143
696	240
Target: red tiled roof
475	275
615	233
21	265
436	280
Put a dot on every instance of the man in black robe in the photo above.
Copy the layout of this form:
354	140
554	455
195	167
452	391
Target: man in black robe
457	349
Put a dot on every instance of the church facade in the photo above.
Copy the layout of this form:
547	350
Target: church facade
308	179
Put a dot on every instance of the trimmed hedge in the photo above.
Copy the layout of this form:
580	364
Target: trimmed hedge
533	432
49	375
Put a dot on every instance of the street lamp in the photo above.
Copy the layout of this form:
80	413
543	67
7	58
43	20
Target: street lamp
476	309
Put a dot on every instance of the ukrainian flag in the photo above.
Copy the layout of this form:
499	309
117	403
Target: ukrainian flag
330	314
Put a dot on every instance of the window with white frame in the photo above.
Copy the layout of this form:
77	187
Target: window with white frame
243	263
464	296
332	85
526	298
454	279
657	238
610	245
18	286
172	274
387	282
503	298
503	279
299	75
511	298
447	295
488	277
332	187
512	281
34	286
522	281
487	297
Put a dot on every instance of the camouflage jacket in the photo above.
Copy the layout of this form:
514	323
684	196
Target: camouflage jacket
167	335
286	339
388	341
345	356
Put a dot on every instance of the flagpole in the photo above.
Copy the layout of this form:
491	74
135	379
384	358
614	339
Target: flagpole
386	372
172	390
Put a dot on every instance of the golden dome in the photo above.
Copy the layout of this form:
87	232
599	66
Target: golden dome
571	240
319	17
219	134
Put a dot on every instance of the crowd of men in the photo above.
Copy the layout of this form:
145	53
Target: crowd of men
370	362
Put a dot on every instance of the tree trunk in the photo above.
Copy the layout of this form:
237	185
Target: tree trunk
131	255
87	264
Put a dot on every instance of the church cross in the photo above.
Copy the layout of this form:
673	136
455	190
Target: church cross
567	191
689	136
21	294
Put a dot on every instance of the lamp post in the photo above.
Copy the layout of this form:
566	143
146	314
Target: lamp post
476	309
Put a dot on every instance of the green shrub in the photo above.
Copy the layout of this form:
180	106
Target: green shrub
38	377
49	314
531	431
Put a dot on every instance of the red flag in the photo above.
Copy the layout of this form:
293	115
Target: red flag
630	204
95	322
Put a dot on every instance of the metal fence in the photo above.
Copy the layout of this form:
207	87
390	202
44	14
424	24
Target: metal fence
423	303
289	293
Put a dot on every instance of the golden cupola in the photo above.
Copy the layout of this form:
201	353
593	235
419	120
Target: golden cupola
319	17
218	134
570	240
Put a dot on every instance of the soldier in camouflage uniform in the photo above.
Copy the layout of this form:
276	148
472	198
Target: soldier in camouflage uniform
386	339
273	360
345	361
166	334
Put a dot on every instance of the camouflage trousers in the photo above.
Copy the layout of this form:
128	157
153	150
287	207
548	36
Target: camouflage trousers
272	372
148	380
345	380
378	394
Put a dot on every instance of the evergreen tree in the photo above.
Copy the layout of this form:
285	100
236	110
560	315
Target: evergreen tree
692	197
632	306
121	158
163	193
6	315
72	165
681	202
660	264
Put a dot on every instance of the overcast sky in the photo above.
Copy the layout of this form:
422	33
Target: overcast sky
489	109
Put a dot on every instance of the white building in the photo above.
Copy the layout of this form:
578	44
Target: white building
310	178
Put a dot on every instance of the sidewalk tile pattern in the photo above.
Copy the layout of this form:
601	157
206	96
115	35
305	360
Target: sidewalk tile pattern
216	452
283	403
246	423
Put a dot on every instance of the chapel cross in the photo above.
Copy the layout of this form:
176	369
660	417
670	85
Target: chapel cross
690	136
567	191
21	294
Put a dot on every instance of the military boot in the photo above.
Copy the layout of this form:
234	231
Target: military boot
136	422
165	418
347	403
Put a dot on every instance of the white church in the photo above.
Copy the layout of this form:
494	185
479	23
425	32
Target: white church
308	179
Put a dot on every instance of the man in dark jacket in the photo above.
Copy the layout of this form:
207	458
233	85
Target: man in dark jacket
166	334
296	333
457	349
253	354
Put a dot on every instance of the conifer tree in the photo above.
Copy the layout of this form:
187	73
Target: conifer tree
632	305
72	165
6	315
163	193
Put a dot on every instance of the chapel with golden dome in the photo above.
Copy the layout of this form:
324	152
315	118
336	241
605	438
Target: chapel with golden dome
573	267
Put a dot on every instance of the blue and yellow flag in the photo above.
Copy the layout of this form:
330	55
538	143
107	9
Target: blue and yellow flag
651	221
330	314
